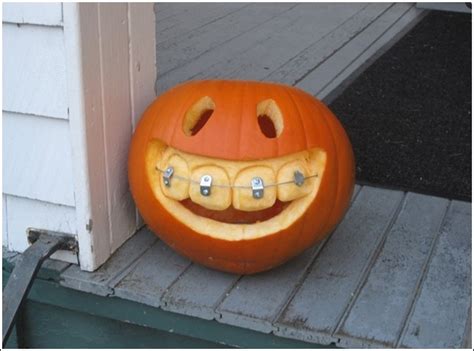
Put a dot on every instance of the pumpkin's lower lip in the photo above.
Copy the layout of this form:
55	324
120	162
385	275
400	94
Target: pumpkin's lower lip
234	216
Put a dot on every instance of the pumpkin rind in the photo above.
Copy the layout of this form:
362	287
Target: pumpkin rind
235	120
307	124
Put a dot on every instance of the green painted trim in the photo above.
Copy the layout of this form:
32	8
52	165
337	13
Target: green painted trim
47	326
111	307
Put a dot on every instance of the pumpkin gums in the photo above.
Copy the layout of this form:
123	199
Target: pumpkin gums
240	176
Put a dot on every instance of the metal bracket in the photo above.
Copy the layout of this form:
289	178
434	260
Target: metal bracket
205	185
299	178
167	175
26	268
257	187
70	242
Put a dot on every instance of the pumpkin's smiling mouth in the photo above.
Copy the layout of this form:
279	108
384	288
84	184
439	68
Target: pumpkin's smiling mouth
232	216
232	210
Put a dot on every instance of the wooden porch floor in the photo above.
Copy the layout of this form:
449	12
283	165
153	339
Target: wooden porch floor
395	273
397	270
312	46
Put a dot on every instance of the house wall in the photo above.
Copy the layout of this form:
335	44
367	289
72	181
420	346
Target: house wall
38	188
76	79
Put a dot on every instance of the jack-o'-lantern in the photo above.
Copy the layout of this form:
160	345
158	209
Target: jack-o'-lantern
240	176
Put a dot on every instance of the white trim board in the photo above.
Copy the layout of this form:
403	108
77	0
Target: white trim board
108	46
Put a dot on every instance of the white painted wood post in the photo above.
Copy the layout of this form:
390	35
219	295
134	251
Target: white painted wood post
110	55
76	79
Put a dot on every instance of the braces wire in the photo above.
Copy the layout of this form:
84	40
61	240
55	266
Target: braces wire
176	176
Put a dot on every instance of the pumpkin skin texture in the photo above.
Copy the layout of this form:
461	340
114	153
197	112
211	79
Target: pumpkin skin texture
235	240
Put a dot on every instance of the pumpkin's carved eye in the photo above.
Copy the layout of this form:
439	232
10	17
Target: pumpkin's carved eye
270	118
198	115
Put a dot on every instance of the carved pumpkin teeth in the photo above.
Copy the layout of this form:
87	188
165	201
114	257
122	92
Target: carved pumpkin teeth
265	214
290	188
230	183
177	187
244	198
219	196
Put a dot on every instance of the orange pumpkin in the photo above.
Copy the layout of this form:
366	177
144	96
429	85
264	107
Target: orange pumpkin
236	132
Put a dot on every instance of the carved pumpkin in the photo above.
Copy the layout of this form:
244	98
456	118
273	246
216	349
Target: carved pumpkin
240	176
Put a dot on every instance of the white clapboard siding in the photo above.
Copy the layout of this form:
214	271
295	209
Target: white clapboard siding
77	78
105	55
49	14
37	161
34	70
24	213
38	187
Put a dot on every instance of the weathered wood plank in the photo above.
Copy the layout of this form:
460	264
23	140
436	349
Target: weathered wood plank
193	16
255	301
37	162
151	275
326	72
442	308
386	296
198	292
34	70
318	305
164	10
51	269
173	53
55	265
33	13
310	58
230	48
377	48
269	54
100	281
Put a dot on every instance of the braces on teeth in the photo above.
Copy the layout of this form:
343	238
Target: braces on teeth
257	185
